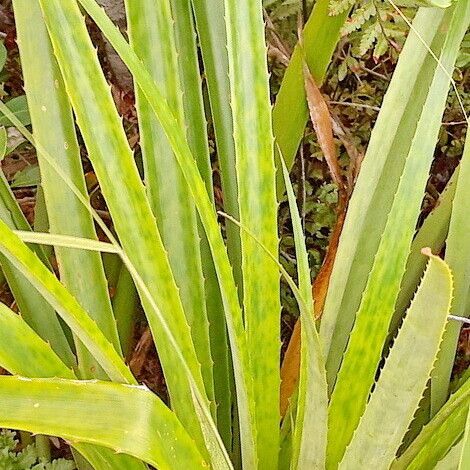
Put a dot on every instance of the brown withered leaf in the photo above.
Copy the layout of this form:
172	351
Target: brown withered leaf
321	120
322	123
291	364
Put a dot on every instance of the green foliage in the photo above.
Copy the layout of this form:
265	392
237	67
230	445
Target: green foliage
27	458
373	25
464	57
213	307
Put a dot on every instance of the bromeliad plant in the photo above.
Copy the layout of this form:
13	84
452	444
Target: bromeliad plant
374	384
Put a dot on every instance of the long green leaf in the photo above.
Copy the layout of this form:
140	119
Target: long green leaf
311	424
196	130
24	353
191	83
363	353
210	22
37	359
204	206
152	36
254	150
64	303
431	234
464	463
398	391
125	303
125	195
290	113
35	310
451	460
217	381
127	419
376	185
458	257
48	102
209	19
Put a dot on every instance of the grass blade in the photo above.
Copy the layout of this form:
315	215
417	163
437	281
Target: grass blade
397	393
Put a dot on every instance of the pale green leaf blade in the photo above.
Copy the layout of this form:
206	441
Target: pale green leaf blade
19	107
399	389
251	110
191	83
125	303
220	459
464	460
431	234
48	102
3	143
209	19
35	310
206	212
439	435
130	209
458	258
311	424
363	353
104	458
376	185
23	352
451	460
26	261
66	241
127	419
152	36
3	55
212	330
424	3
212	34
